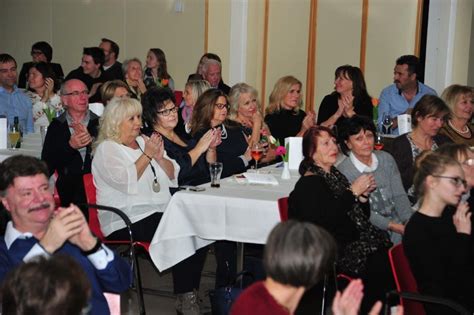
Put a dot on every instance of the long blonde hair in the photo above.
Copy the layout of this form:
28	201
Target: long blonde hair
281	88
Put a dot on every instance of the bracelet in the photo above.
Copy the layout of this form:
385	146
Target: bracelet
94	249
211	150
149	157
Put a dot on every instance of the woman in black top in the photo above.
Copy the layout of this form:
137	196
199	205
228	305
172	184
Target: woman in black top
349	98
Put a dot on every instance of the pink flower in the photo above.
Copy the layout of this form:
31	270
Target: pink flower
280	150
264	132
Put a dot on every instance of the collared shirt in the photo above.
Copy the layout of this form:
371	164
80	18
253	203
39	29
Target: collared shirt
394	103
99	259
85	123
361	167
17	104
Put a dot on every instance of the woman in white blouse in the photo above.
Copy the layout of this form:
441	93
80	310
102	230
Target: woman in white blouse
131	171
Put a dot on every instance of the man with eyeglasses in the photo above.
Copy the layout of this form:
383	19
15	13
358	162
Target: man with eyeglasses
13	102
40	52
67	146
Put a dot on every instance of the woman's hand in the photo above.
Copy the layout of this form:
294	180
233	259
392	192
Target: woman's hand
216	138
49	91
141	85
348	102
205	141
308	122
462	218
363	185
154	146
396	227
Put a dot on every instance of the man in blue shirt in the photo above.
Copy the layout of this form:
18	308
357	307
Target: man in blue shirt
13	102
400	97
37	228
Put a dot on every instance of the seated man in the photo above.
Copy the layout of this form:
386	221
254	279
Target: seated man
40	52
91	72
38	229
112	67
212	73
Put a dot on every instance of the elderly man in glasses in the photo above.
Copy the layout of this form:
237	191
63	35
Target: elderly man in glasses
67	146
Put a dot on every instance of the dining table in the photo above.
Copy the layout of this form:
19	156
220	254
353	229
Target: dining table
236	211
31	145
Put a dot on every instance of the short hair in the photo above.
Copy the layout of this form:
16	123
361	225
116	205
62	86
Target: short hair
116	111
359	88
353	126
46	71
62	89
429	105
298	253
153	101
432	163
209	62
113	46
96	53
4	58
204	110
107	90
46	286
163	67
452	94
234	96
127	62
45	48
207	56
281	88
197	88
310	145
412	62
20	166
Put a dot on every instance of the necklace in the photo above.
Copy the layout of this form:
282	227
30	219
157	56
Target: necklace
223	132
463	132
155	185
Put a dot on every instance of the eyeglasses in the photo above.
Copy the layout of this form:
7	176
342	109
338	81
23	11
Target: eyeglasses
167	112
457	181
222	106
77	93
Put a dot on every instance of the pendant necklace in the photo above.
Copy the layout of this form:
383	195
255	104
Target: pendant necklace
155	185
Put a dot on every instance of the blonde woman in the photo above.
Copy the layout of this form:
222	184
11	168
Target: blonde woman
192	90
284	115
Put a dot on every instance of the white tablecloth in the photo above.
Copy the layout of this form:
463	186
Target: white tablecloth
31	145
236	212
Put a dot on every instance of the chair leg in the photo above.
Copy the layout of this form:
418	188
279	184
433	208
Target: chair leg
323	301
138	283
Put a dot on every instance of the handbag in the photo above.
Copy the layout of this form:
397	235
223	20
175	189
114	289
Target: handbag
223	298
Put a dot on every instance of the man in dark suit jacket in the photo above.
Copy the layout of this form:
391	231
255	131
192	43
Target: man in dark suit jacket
212	73
67	146
112	67
40	52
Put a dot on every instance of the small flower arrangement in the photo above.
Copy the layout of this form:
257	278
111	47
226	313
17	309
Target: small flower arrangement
52	112
163	82
375	108
283	152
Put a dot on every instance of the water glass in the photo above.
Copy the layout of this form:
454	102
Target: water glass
215	170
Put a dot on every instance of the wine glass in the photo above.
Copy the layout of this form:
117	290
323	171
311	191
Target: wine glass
378	143
256	151
387	122
13	136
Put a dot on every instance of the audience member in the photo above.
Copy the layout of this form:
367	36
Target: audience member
13	102
284	117
210	112
57	285
349	98
400	97
131	172
132	70
42	89
111	66
67	146
427	118
460	99
91	72
37	229
198	74
114	88
40	52
212	73
192	91
390	208
156	72
439	251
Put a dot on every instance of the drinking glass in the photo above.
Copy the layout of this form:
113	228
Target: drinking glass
215	170
256	151
13	136
387	122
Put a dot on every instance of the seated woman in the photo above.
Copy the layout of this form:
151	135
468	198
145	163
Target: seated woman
427	118
156	71
42	91
131	172
210	112
133	74
460	99
284	116
389	205
325	197
244	109
111	89
192	90
296	257
439	250
350	97
161	116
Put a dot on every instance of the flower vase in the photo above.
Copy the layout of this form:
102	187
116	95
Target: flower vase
286	171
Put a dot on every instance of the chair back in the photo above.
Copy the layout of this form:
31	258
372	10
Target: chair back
404	279
283	207
178	95
90	189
